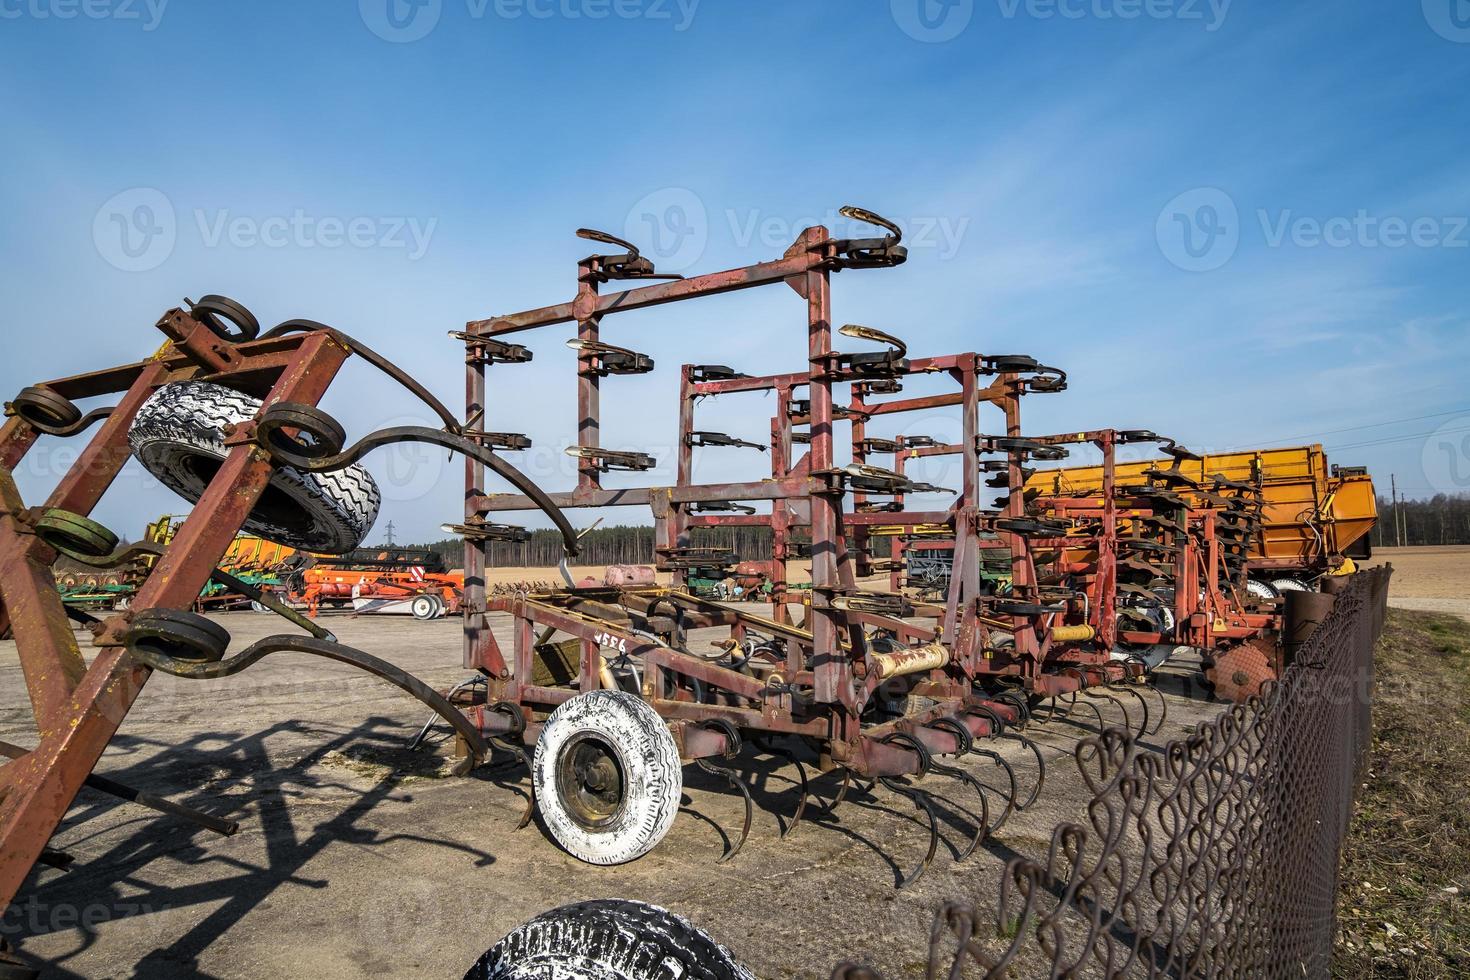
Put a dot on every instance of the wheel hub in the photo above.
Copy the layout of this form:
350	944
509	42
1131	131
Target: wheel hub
590	780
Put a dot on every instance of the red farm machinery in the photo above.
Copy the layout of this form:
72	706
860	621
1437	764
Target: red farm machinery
607	691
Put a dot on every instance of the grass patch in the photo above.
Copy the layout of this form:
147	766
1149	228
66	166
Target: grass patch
1404	903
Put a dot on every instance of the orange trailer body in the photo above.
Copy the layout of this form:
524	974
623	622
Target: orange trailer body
1312	510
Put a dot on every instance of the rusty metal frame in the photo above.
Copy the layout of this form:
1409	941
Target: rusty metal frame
78	706
804	493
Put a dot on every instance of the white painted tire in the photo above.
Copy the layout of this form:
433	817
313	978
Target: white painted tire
637	779
608	940
425	607
178	436
1259	589
1290	585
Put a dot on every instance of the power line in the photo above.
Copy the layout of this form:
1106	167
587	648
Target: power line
1356	428
1389	441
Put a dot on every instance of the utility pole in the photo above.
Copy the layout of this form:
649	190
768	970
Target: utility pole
389	531
1393	482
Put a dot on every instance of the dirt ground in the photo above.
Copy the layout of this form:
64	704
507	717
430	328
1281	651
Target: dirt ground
356	858
1432	579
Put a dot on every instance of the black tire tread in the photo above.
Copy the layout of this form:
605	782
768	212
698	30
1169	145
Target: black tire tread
628	939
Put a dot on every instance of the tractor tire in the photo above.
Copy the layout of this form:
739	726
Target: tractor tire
178	436
607	776
608	940
1289	585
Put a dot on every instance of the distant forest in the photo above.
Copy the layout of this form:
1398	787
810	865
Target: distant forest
605	546
1440	520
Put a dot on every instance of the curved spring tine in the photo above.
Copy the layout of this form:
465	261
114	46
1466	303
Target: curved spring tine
829	808
1127	689
1073	705
984	829
1040	768
920	800
790	757
1163	708
736	782
1095	693
801	804
1010	797
520	750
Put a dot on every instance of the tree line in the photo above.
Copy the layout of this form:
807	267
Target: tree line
620	545
1440	520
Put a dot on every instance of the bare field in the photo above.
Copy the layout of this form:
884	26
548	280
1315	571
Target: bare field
1430	579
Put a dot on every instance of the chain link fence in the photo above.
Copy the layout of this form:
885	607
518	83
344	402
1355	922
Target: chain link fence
1215	856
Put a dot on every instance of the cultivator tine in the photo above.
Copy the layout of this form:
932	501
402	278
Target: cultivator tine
1072	705
790	756
733	778
918	797
1010	797
830	808
1143	729
922	802
998	729
1093	692
1163	708
1040	768
984	829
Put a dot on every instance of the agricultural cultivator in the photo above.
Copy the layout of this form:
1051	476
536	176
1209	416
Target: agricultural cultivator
607	690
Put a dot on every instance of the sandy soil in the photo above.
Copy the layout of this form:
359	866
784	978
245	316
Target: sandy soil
1429	579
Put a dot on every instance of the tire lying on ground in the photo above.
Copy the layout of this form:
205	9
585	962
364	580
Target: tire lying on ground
607	940
178	436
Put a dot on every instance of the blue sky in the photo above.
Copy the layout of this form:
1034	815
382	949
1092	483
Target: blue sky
1239	223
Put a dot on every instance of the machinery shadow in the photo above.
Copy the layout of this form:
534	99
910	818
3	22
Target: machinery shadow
199	772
